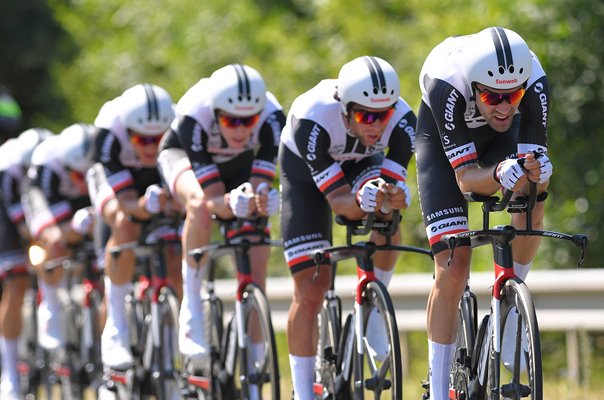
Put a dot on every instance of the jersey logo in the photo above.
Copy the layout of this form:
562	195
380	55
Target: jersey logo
462	154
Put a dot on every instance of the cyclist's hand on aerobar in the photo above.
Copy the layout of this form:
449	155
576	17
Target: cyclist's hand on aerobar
510	174
398	197
371	195
267	200
539	168
156	198
82	220
242	200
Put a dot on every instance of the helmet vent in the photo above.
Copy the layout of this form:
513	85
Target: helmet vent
501	70
230	100
511	69
490	73
366	94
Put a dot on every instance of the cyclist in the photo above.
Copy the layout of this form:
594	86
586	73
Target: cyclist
52	203
485	100
125	183
15	157
332	155
10	115
219	158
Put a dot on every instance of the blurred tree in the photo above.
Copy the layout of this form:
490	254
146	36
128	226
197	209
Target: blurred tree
111	44
32	42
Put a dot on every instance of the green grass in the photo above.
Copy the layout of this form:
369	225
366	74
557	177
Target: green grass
556	385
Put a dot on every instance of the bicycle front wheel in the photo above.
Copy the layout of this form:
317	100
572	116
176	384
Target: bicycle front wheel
168	365
258	364
517	371
377	367
464	345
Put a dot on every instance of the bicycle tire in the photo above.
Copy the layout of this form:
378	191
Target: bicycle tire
69	371
32	358
460	375
91	363
386	375
264	380
168	365
529	384
327	368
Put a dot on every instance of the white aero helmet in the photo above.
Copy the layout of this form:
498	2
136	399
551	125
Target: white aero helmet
498	58
146	109
76	146
238	90
28	140
368	81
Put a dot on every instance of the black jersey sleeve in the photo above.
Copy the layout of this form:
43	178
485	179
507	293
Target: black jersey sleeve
190	136
401	147
10	194
264	165
49	182
118	175
313	143
448	107
534	110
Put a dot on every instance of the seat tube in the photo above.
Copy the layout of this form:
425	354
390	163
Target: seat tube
504	270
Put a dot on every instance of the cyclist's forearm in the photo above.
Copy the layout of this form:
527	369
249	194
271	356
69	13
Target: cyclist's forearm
343	202
477	180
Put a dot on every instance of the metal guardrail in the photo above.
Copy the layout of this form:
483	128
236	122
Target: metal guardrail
566	300
570	301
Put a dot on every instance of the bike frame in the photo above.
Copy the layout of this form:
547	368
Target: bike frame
240	250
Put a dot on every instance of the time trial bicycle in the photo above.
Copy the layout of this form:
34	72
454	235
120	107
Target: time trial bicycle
346	368
479	370
243	354
152	307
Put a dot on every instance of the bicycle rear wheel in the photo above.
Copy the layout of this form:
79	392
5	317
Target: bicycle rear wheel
519	373
326	366
258	363
378	375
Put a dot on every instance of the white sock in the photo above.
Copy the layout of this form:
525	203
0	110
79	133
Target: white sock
383	276
9	354
192	279
440	357
522	270
116	304
50	294
303	370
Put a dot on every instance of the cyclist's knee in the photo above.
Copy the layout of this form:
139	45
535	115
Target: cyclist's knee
454	271
124	229
197	208
309	294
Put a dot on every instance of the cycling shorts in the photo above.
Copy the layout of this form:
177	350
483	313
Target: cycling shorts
306	220
13	255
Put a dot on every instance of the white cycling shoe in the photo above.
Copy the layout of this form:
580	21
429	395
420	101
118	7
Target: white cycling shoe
51	335
115	348
191	339
508	342
9	390
377	337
